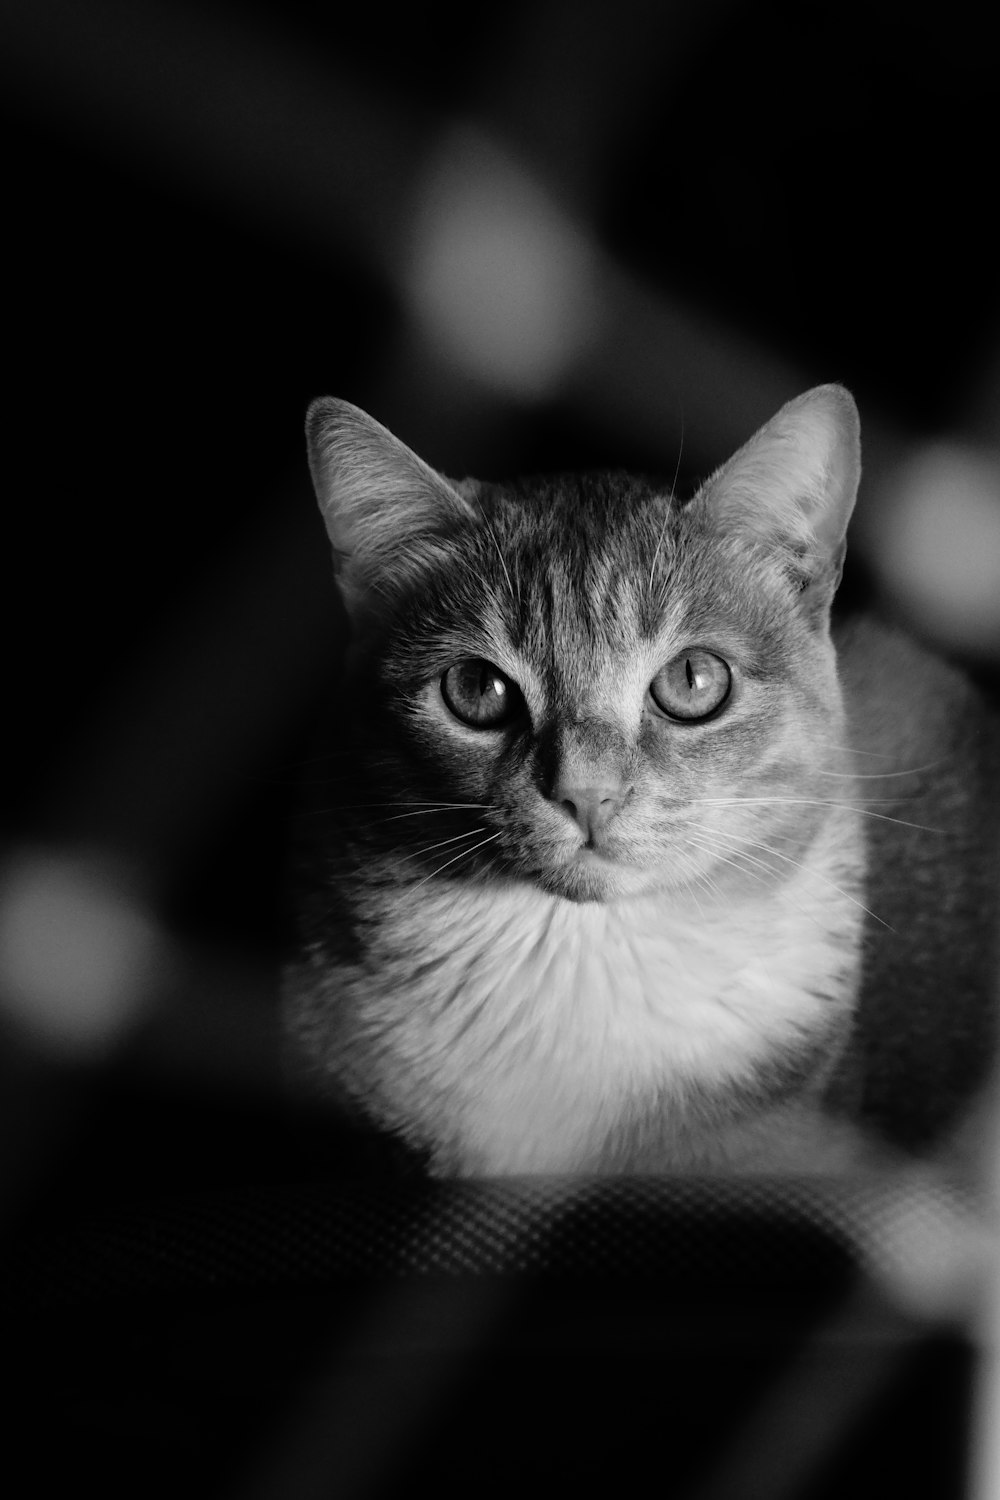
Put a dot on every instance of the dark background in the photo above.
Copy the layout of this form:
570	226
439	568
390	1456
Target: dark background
209	211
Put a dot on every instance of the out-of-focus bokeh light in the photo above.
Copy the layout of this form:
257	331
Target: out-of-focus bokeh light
929	1250
985	1450
499	276
77	957
936	545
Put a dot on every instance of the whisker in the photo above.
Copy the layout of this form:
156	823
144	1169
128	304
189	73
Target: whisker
416	802
732	847
741	854
815	875
808	870
708	849
880	775
816	802
852	750
419	810
407	851
422	812
714	890
462	855
469	833
694	898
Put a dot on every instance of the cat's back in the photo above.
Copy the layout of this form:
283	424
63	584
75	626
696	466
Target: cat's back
926	745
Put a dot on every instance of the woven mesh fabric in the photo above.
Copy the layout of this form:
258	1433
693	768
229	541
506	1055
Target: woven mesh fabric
314	1235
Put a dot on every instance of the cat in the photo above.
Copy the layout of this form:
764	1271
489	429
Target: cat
622	858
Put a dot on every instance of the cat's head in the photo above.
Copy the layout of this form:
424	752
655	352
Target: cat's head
603	690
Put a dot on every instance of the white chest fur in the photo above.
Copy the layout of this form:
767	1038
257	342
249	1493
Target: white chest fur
515	1031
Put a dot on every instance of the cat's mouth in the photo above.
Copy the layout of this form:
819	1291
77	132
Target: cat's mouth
588	874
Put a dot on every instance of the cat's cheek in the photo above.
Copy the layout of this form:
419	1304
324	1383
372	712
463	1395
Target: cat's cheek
462	763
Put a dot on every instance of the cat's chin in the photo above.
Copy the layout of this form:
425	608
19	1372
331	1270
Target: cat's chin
577	893
590	877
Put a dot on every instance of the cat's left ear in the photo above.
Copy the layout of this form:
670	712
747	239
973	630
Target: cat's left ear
793	485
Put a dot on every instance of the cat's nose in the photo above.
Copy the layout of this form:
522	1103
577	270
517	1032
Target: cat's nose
591	807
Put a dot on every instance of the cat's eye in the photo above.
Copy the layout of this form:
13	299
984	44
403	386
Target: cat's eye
693	685
479	694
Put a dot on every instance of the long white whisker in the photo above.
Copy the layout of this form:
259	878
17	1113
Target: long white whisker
733	847
408	850
462	855
751	859
814	802
422	812
715	853
880	775
714	890
852	750
799	865
815	875
417	812
406	802
469	833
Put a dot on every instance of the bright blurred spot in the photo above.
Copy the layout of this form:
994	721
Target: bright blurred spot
77	957
938	544
931	1251
499	276
985	1463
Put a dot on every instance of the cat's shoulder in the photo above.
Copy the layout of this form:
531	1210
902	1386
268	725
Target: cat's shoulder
925	739
901	696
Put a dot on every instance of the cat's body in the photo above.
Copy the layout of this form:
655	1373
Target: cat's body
612	868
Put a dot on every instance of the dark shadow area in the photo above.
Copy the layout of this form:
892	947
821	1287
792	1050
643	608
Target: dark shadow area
212	212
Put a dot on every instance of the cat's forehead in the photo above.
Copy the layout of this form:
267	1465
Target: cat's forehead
594	508
577	568
596	553
581	543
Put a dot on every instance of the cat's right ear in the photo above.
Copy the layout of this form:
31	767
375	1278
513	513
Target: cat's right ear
386	511
793	487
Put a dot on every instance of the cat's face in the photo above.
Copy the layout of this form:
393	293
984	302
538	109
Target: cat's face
603	692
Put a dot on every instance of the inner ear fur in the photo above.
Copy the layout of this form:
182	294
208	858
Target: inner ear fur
384	508
793	486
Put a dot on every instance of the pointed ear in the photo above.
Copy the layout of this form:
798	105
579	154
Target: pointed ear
386	511
793	485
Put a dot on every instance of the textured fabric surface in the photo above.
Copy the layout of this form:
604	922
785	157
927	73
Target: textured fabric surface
379	1338
305	1236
